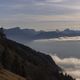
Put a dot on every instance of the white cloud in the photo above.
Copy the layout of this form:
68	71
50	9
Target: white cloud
68	61
74	73
70	65
62	9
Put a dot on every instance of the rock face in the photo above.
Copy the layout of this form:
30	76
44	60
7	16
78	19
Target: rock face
28	63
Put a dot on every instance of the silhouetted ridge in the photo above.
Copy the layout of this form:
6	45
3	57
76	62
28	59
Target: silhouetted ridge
27	35
27	62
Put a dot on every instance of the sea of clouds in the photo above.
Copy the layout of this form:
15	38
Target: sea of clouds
70	65
77	38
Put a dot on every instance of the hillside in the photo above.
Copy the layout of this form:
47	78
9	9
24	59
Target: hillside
7	75
28	63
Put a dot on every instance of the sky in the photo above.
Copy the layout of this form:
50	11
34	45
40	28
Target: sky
40	14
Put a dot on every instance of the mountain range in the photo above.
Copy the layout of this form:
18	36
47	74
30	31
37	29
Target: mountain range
25	35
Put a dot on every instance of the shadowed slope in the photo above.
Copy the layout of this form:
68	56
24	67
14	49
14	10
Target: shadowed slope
28	63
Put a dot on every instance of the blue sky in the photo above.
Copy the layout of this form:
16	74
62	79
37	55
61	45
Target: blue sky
40	14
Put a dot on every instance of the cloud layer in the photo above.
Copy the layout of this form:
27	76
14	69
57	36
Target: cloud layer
70	65
40	7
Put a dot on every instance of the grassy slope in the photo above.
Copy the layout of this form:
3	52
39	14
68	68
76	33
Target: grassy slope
6	75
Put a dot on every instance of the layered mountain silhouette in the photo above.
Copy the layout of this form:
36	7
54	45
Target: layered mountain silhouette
28	63
20	35
25	35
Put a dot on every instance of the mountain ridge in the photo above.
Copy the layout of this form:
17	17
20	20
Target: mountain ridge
27	35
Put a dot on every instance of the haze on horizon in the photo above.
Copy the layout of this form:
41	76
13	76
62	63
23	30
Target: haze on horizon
40	14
